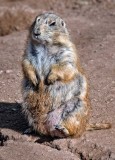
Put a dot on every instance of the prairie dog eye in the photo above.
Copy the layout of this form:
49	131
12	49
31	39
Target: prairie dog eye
52	23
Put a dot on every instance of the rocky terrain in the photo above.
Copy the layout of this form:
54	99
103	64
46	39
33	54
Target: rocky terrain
92	28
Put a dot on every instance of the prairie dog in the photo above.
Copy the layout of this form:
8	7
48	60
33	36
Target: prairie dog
55	89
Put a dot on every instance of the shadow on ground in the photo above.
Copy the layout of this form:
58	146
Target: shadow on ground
11	117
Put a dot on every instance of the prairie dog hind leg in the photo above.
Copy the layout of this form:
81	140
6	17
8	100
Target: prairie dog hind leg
70	119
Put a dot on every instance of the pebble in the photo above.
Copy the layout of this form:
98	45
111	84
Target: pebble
8	71
1	71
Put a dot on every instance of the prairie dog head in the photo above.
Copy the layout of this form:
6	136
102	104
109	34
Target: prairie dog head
48	28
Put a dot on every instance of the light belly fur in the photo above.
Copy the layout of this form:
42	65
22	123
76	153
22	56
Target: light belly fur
59	92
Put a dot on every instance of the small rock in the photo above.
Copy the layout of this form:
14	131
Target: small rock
8	71
1	71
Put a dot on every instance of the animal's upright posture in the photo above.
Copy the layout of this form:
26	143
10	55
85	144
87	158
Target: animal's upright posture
55	88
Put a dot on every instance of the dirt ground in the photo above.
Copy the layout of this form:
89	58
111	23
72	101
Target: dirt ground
92	27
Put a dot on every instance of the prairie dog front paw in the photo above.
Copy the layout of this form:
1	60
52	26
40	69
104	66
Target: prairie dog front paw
34	79
29	71
52	78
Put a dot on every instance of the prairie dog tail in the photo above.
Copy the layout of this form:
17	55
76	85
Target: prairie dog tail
98	126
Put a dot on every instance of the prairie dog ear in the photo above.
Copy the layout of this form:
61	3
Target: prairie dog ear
63	23
37	19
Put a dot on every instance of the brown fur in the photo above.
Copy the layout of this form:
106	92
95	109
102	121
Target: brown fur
39	106
29	71
61	72
98	126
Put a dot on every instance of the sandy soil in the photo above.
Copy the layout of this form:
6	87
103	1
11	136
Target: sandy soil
92	27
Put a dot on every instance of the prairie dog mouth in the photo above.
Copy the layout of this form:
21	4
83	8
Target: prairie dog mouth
36	37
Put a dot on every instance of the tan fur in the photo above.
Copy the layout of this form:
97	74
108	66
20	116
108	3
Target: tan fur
98	126
61	72
39	106
55	91
29	71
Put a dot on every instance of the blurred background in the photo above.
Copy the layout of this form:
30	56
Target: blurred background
16	15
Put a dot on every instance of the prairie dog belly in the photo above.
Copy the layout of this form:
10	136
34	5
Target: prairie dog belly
41	61
59	91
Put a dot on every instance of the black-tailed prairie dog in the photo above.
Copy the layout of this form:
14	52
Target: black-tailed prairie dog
55	89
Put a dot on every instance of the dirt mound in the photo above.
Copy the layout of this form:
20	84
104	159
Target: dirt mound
78	147
15	19
29	151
